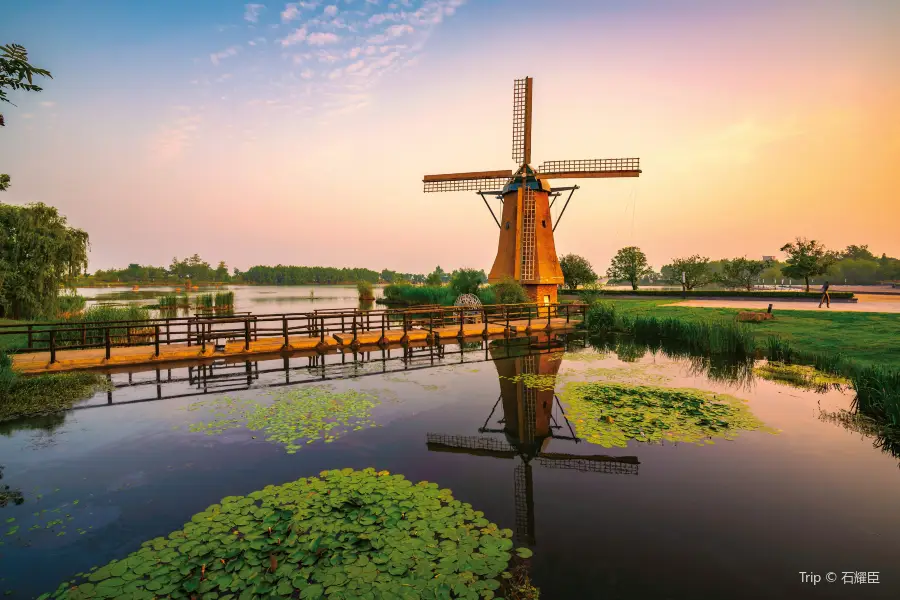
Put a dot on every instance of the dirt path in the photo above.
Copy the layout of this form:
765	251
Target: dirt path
867	303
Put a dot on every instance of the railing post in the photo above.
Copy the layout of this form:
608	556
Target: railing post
202	338
431	326
548	318
355	340
156	341
52	346
484	317
567	313
190	331
284	331
322	329
383	323
462	332
107	342
30	336
246	335
506	313
168	333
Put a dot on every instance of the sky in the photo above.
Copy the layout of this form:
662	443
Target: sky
298	133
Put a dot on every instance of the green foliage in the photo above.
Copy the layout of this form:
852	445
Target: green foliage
576	271
171	301
16	73
612	414
10	496
807	258
695	269
366	290
22	397
741	273
295	417
347	534
773	295
39	253
509	291
878	394
69	332
601	318
629	264
800	376
291	275
71	303
204	301
405	294
467	281
437	277
224	300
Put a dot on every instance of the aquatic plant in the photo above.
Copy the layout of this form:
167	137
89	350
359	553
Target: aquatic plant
541	383
611	414
9	496
347	534
44	394
366	290
224	300
295	417
802	376
69	304
405	294
878	394
173	301
204	301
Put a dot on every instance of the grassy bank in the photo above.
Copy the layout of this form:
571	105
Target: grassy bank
504	292
868	339
769	294
861	347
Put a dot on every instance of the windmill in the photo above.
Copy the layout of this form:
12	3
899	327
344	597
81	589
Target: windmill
532	416
526	251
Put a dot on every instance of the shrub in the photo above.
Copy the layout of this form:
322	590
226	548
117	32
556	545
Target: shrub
366	290
412	295
600	317
509	291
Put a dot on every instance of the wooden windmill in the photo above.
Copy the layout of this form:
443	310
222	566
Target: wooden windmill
526	251
531	418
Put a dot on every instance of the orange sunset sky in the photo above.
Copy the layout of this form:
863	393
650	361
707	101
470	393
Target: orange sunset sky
299	133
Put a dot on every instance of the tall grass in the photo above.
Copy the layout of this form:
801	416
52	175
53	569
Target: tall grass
70	303
411	295
366	290
205	301
70	333
697	337
224	300
172	301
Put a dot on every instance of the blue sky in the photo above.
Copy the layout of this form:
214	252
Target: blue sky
299	132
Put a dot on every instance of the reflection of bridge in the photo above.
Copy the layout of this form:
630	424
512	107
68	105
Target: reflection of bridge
225	375
54	347
532	416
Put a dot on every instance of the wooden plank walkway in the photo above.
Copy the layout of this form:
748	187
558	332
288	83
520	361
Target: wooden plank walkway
95	358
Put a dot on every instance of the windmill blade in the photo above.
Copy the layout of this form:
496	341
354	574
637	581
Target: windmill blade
613	465
474	445
521	144
459	182
590	168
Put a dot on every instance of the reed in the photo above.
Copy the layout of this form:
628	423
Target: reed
173	301
205	301
224	300
412	295
366	290
69	304
878	393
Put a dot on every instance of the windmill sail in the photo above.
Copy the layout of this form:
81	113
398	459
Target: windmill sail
456	182
521	144
593	168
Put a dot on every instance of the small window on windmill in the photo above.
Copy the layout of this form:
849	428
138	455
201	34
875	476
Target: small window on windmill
546	300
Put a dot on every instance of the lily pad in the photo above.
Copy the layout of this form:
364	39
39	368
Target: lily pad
350	534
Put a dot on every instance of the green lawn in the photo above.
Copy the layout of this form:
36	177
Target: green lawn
867	338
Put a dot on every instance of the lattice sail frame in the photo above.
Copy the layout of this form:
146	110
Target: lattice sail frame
520	88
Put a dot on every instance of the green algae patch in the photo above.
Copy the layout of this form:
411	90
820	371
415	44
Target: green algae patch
612	414
541	383
294	418
345	534
800	376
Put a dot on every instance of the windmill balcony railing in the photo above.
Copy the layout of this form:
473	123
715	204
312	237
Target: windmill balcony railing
248	328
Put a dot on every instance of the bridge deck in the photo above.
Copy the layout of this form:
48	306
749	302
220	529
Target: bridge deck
95	358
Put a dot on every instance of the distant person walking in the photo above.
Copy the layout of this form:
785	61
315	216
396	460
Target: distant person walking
825	297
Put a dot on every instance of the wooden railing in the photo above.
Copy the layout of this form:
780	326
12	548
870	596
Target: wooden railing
203	330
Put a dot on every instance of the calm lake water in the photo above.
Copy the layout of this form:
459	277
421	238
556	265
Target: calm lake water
737	519
260	299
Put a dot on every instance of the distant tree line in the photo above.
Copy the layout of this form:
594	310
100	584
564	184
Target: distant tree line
805	261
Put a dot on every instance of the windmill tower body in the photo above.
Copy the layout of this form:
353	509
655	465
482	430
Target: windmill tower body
526	251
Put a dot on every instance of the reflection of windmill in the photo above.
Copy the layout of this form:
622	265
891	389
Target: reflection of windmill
526	251
532	415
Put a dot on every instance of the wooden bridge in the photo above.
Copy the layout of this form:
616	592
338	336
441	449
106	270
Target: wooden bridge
58	347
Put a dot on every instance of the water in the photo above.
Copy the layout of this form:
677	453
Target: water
738	519
258	299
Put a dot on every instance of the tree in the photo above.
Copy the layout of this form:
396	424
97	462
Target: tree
741	272
695	268
39	253
222	271
466	281
629	264
576	271
436	277
807	258
16	74
857	253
